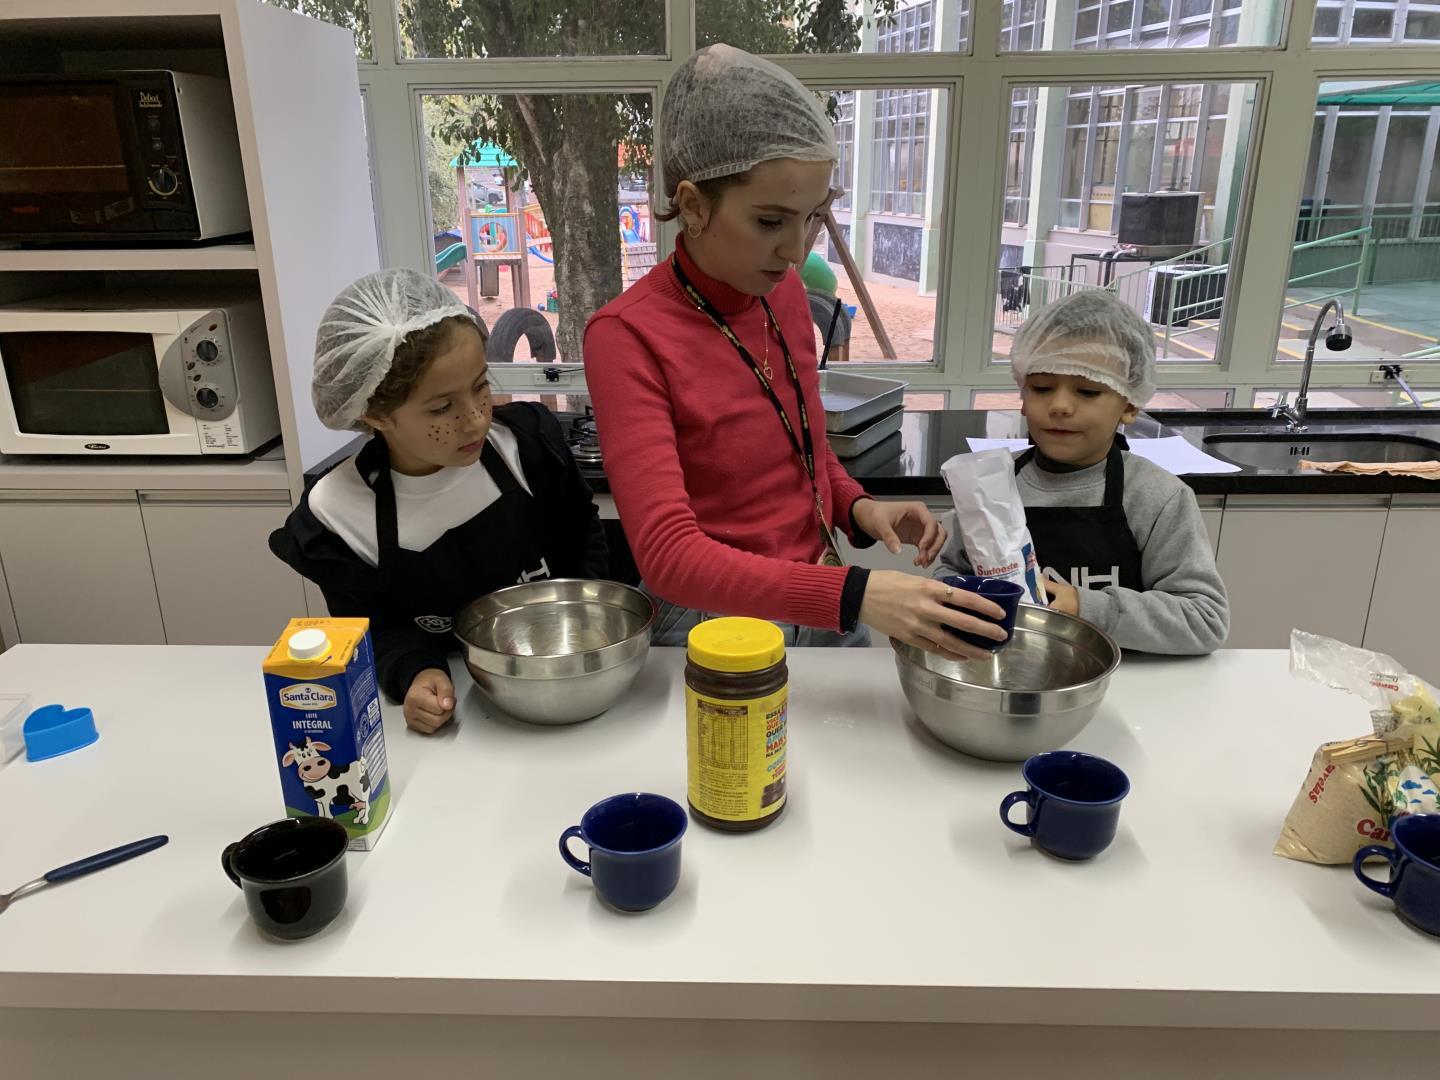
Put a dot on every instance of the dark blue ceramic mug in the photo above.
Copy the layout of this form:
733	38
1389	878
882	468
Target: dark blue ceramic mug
1074	802
1007	594
634	843
1414	882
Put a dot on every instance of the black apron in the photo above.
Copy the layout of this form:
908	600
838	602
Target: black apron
430	588
1090	547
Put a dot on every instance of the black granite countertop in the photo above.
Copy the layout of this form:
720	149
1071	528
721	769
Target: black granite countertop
908	462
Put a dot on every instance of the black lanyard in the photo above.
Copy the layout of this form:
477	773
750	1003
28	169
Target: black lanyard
806	454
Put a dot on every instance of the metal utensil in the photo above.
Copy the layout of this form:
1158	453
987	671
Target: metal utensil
557	651
81	867
1036	693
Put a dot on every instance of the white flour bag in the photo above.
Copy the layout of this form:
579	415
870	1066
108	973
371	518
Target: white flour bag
991	519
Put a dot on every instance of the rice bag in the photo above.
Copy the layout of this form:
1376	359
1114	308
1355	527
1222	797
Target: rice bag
1356	789
991	519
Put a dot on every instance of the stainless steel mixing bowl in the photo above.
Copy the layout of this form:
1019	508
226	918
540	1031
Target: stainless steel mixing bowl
1035	694
557	652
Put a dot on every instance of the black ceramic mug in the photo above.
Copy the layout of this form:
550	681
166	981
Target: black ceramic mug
292	873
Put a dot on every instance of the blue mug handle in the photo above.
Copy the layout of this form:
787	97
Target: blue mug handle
565	853
1028	829
1390	855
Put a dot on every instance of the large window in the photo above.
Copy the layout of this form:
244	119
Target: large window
543	28
1368	231
1147	204
1377	22
540	209
1150	24
977	183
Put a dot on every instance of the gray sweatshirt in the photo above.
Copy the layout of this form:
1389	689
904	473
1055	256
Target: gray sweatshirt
1184	609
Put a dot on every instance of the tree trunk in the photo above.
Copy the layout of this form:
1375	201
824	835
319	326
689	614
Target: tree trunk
571	148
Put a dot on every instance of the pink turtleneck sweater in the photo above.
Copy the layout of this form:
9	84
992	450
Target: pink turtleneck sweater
715	503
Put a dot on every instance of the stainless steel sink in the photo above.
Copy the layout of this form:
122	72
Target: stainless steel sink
1284	452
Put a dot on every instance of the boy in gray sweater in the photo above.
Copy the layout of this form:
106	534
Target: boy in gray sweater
1120	540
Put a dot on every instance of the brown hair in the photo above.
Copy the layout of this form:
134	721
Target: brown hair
712	189
412	356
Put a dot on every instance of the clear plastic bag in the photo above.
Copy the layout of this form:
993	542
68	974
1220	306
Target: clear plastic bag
1356	789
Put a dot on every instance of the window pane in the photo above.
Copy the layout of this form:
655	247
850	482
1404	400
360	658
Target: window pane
823	26
1379	256
540	201
486	28
353	15
896	246
1162	246
1376	22
1163	24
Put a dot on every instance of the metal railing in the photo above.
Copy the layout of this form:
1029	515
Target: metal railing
1024	288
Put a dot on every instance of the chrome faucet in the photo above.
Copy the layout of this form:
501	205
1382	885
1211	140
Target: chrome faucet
1337	339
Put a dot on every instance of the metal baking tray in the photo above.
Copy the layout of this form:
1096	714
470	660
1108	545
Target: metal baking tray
849	444
851	400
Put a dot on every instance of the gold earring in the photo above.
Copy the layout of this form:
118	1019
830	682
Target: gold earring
694	230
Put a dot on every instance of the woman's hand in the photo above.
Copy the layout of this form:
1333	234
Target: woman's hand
896	523
430	701
913	610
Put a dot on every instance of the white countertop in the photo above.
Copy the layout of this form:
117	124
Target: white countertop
889	890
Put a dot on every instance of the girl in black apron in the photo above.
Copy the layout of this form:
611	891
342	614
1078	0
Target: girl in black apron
493	498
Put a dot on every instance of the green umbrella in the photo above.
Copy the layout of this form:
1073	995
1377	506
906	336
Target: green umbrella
481	155
1419	95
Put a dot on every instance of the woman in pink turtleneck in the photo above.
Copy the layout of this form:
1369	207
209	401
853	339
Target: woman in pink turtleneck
704	374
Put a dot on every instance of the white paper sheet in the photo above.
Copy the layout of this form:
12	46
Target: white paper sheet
977	445
1174	454
1180	456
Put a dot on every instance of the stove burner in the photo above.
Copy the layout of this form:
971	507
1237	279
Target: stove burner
584	439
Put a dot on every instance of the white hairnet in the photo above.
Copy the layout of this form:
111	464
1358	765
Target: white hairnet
1094	335
726	111
361	330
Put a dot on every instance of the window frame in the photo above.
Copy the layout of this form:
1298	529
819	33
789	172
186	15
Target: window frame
979	83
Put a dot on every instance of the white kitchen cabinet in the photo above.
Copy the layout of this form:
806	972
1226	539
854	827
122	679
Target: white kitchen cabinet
217	581
1292	562
78	568
1403	620
1212	512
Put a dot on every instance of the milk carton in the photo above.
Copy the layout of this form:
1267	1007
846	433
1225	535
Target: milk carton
325	715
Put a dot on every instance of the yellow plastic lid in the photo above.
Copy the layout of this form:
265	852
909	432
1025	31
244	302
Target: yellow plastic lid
736	645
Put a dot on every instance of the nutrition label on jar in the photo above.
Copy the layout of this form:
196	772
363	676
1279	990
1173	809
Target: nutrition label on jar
737	756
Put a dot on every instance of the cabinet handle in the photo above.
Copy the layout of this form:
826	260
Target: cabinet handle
40	497
215	498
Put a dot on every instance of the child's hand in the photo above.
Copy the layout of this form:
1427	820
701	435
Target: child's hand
896	523
430	702
1063	597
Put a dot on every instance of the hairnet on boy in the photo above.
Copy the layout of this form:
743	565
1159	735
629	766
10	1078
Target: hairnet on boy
1091	334
726	111
361	330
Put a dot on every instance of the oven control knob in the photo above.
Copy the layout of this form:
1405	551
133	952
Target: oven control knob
207	350
207	397
163	181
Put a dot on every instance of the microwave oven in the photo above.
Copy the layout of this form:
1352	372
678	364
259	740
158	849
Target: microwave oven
136	373
138	157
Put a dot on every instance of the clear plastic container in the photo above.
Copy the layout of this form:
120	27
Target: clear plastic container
14	708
